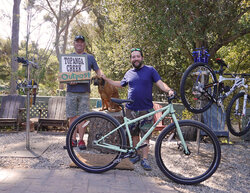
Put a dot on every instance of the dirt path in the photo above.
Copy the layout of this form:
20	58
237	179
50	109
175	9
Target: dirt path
233	174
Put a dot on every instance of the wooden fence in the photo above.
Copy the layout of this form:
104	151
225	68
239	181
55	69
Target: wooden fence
42	103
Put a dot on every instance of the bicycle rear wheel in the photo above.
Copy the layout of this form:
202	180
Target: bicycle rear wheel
200	164
238	123
198	87
94	158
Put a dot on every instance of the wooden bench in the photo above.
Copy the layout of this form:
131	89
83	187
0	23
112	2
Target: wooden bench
11	109
56	116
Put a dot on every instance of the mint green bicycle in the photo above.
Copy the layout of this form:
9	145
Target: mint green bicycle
184	158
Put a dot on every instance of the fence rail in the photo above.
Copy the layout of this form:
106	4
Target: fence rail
42	105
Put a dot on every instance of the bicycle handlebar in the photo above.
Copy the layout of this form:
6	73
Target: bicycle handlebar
170	98
233	75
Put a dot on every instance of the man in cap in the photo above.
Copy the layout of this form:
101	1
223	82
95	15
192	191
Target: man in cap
78	94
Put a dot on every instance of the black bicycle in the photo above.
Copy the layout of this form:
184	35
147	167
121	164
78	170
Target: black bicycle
200	89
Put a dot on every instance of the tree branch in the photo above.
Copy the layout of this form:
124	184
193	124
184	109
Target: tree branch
224	42
234	21
52	10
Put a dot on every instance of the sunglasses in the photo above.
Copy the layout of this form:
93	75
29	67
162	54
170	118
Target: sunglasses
135	49
79	37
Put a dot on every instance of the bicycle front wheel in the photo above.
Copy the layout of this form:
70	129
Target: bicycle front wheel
91	157
198	87
204	152
238	122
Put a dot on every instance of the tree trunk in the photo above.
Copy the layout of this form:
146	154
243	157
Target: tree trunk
99	126
14	45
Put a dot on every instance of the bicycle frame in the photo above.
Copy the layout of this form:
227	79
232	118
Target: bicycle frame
169	109
238	82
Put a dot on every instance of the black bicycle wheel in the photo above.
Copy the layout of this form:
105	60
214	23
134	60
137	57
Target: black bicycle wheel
238	123
94	158
198	87
193	168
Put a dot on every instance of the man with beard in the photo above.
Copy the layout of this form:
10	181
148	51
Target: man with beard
140	80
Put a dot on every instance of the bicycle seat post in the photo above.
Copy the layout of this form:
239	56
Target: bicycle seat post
120	101
123	111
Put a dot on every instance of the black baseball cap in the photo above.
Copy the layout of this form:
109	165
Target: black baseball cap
80	38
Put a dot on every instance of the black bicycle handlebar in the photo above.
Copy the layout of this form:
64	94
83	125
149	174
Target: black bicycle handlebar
242	75
170	98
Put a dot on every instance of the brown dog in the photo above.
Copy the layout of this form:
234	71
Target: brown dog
106	91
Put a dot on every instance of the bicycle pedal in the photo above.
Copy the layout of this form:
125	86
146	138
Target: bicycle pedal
142	146
125	156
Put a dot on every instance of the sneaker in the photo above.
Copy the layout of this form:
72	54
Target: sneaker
81	145
135	159
225	141
145	165
74	143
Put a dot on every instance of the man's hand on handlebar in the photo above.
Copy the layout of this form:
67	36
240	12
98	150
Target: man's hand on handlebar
171	92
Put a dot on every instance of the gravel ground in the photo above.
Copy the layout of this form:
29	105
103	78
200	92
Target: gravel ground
233	174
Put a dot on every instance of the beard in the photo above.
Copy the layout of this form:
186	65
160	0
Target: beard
137	66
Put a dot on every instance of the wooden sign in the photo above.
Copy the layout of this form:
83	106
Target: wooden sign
74	68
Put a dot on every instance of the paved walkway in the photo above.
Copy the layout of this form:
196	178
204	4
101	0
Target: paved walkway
27	180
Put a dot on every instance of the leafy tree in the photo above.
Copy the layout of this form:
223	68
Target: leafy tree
5	62
237	55
47	73
61	14
168	31
5	66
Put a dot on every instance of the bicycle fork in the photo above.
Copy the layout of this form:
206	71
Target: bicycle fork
237	110
183	142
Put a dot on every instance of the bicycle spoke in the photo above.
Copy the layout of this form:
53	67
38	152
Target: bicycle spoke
198	88
191	168
93	157
237	121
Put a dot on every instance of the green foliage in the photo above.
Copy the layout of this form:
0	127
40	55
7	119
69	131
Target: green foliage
167	31
5	52
45	76
187	114
237	55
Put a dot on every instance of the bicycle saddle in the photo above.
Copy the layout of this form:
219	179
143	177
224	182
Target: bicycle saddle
120	101
221	62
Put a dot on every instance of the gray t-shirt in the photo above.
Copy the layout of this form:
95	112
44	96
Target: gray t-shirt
84	87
